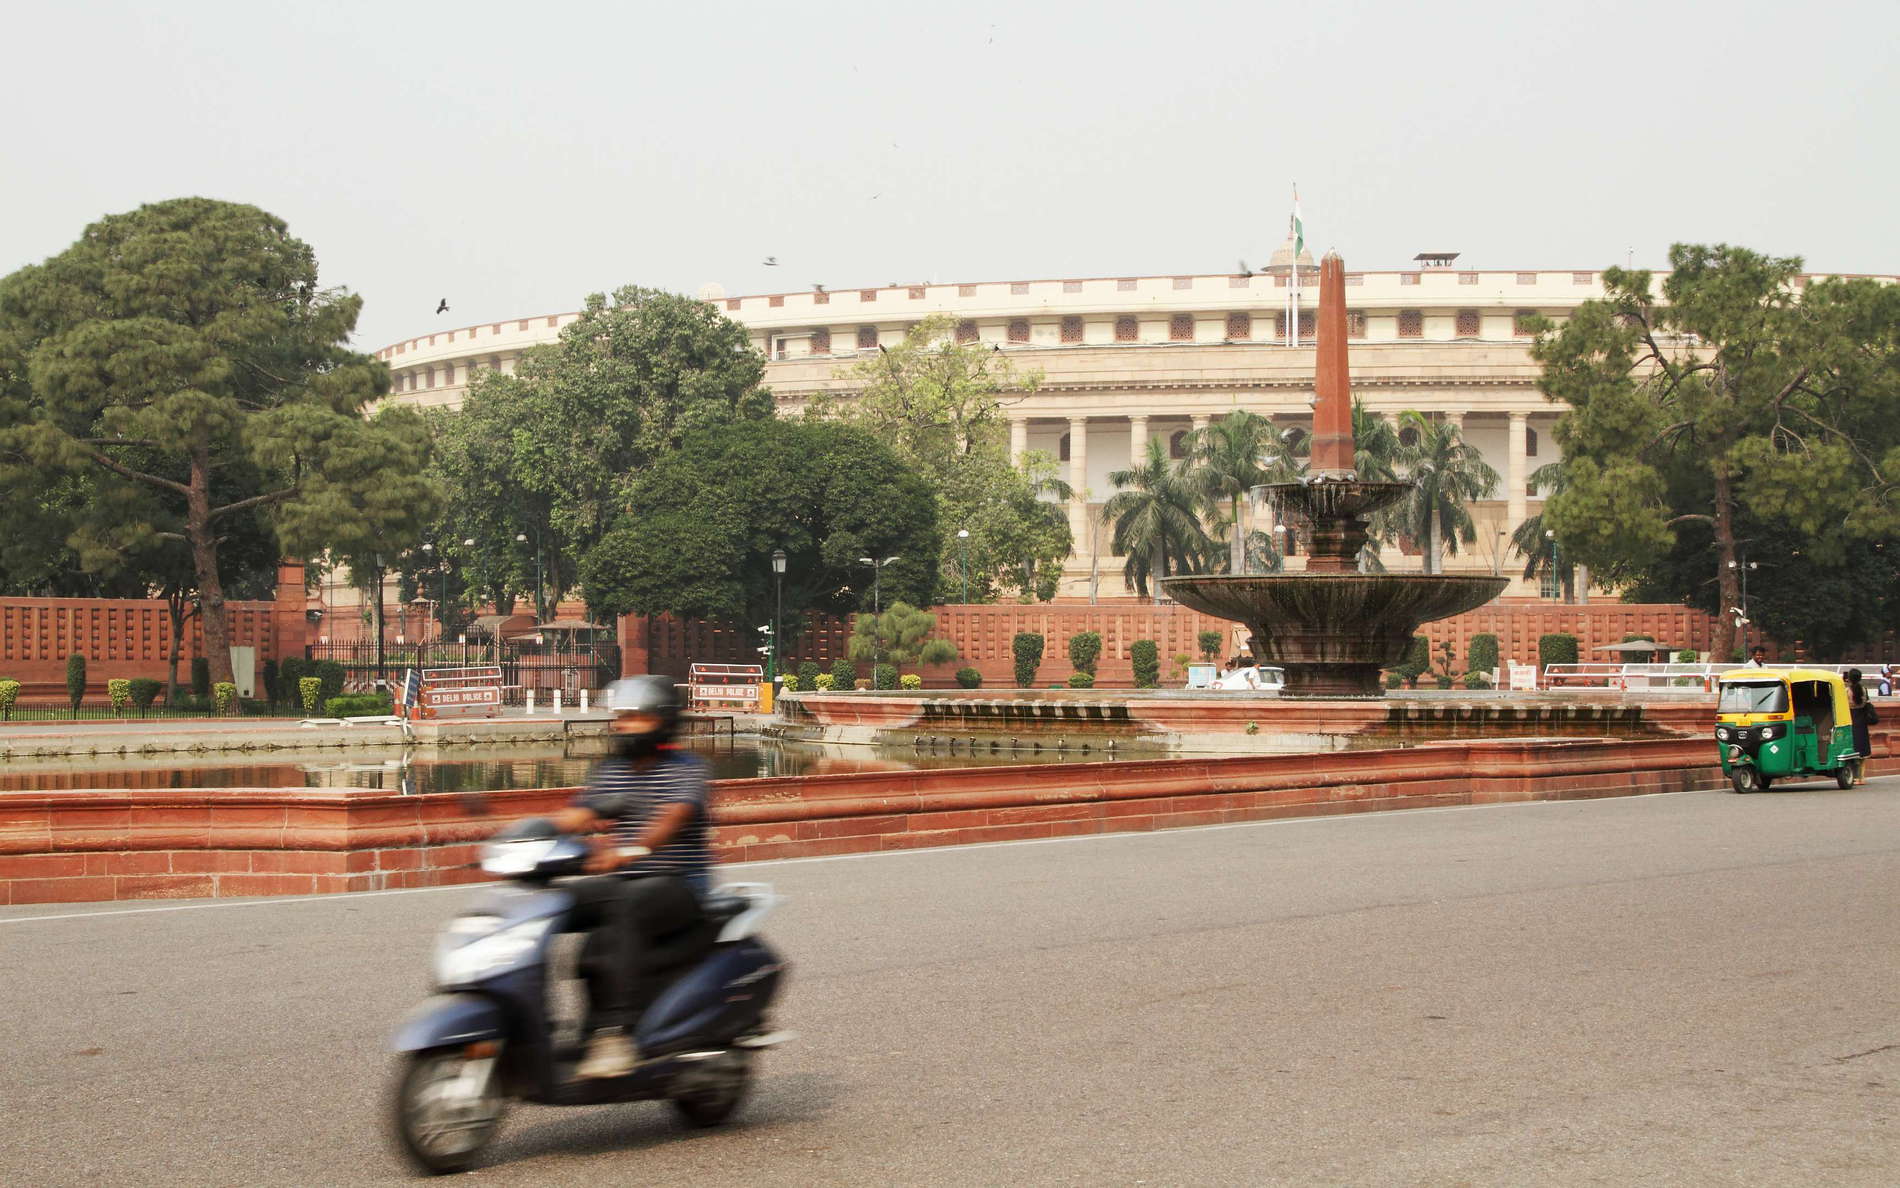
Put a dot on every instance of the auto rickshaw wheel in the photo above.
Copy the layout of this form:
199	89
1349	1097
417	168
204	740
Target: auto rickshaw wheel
1844	775
1746	779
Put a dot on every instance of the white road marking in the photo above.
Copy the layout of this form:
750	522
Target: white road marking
926	851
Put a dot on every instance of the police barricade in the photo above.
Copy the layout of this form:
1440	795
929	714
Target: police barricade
452	692
724	686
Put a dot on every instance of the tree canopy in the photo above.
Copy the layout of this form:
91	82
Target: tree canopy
184	359
552	451
1730	393
704	520
940	405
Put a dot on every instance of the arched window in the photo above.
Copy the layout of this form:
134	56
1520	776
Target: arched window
1177	444
1062	448
1530	442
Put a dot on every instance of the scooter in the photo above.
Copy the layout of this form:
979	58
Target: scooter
491	1035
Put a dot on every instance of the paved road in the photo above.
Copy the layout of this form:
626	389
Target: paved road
1688	989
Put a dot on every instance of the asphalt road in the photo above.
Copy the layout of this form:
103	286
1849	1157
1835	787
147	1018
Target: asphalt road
1689	989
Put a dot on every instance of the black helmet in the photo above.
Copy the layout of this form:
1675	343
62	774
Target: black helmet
644	695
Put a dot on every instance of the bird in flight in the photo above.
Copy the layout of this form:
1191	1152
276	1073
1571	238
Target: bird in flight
817	288
443	307
1244	270
771	261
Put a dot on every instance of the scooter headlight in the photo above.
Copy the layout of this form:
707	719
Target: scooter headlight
467	952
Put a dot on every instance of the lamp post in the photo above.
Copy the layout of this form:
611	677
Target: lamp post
877	608
1557	578
522	538
963	536
1741	620
778	607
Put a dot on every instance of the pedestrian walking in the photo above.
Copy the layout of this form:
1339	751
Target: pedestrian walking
1864	715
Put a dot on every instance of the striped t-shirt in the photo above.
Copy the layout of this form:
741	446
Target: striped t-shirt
631	795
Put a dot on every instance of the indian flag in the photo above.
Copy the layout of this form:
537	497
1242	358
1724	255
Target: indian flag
1297	228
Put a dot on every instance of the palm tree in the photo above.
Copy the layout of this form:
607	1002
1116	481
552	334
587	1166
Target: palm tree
1156	525
1226	464
1528	538
1446	474
1375	457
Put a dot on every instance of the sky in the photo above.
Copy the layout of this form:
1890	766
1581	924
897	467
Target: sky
512	158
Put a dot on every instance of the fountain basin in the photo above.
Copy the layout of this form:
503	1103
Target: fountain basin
1333	632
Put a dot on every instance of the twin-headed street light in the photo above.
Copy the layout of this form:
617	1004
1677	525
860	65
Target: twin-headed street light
778	609
877	606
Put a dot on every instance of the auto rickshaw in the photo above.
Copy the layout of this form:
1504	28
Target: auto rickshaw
1782	723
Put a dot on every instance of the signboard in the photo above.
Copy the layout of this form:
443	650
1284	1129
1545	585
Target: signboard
454	692
724	686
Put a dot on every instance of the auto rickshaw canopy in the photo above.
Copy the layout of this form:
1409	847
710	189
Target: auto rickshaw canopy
1831	690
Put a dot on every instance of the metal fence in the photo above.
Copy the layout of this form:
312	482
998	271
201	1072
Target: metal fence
526	667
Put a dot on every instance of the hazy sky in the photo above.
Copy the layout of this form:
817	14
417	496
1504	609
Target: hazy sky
514	157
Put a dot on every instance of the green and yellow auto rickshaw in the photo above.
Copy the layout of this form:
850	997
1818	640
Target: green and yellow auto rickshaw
1783	723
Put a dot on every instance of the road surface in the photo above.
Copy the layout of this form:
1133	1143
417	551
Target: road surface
1694	989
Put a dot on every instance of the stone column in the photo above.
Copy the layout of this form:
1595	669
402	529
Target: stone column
1137	440
1457	419
1018	439
1515	476
1079	482
1199	422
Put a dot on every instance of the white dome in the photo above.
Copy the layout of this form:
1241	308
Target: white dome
712	291
1282	262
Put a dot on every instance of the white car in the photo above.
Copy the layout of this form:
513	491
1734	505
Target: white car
1265	679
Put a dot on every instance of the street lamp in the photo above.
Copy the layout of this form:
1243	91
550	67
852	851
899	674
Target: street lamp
1557	579
877	607
778	607
963	535
522	538
1741	615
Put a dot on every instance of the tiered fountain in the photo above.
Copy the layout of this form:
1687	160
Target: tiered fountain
1332	628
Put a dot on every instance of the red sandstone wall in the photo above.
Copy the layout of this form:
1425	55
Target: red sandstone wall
983	634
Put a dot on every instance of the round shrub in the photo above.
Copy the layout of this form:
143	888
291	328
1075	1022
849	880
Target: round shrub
1556	648
885	677
969	678
1477	680
1081	680
1146	657
824	681
310	693
224	696
1026	648
1085	648
808	674
144	692
358	705
119	693
1482	656
844	673
9	693
910	680
788	684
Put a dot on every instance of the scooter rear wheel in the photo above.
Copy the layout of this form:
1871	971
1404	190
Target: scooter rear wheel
440	1130
721	1094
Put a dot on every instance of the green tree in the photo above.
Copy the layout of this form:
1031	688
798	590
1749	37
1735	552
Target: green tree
1727	394
1157	526
194	333
1229	458
939	404
552	451
705	519
1446	475
900	635
1529	541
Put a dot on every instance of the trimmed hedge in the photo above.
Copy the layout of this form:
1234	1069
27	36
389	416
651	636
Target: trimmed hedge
119	693
358	705
1085	648
825	681
1081	680
844	674
310	693
76	678
969	678
145	691
885	677
1026	647
1146	655
1556	648
910	680
1482	656
808	674
9	693
224	696
788	684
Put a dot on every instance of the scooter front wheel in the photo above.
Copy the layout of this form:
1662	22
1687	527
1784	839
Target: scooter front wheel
446	1110
716	1090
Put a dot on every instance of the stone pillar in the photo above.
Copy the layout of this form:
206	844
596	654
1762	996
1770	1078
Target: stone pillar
636	656
1457	419
1515	475
1018	439
1137	440
1199	422
1079	482
290	625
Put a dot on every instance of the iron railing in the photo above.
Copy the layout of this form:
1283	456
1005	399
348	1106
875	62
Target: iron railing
526	667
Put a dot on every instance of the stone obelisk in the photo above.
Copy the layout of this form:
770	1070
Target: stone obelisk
1332	450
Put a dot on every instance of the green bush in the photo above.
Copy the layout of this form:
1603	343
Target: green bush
1687	656
1417	658
911	680
1393	680
1081	680
1085	648
358	705
270	680
144	692
1482	656
331	674
1146	655
119	693
310	693
1026	647
824	681
885	677
969	678
1477	680
9	693
788	684
200	676
844	673
1209	642
1556	648
76	678
808	674
291	670
186	703
1443	681
224	696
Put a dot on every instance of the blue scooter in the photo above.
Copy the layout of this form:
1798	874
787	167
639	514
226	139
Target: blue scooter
490	1035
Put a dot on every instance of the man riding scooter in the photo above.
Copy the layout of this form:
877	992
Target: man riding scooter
647	877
